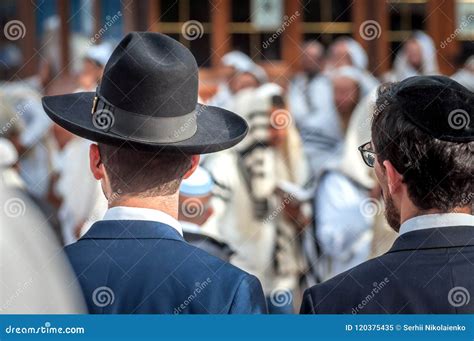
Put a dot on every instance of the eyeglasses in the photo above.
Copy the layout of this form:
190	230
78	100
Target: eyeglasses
368	154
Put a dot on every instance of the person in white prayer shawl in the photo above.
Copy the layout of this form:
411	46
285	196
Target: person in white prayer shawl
36	277
465	75
349	85
309	92
93	65
322	134
79	194
247	208
345	51
417	57
11	128
310	96
34	145
233	65
346	203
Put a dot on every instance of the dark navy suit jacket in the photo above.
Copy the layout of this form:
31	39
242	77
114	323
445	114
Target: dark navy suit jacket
425	272
145	267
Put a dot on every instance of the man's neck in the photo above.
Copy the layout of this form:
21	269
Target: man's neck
166	204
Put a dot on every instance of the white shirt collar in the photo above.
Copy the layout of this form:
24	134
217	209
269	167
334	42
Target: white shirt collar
436	220
190	227
138	213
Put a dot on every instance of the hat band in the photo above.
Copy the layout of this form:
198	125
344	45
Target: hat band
142	128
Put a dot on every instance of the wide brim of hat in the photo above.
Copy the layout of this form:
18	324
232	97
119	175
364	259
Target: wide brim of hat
217	128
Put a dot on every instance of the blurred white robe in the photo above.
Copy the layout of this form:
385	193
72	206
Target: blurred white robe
35	275
82	199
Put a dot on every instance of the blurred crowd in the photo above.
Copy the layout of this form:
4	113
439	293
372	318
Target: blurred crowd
292	204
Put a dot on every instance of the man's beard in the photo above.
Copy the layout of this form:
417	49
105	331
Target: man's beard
392	214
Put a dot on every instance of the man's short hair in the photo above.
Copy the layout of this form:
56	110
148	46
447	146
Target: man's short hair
438	174
144	174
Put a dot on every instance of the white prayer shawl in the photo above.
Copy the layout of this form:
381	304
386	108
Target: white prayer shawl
324	143
255	239
343	208
35	164
402	69
312	108
308	98
357	53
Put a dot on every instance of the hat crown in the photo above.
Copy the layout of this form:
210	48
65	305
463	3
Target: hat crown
151	74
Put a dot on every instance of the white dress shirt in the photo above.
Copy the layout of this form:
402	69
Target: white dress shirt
138	213
436	220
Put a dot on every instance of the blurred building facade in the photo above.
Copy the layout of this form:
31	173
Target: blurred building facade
270	31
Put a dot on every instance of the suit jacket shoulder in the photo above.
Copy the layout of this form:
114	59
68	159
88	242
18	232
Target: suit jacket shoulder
147	267
424	272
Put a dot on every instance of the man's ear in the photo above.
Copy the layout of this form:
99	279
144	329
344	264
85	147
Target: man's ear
394	179
194	164
95	162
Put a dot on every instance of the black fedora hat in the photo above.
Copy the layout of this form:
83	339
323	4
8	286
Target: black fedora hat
148	98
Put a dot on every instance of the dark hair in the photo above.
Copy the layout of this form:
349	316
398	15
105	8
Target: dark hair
438	174
144	174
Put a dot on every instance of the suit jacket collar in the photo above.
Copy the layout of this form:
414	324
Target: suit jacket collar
131	229
440	237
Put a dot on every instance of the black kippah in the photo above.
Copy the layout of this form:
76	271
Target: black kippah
439	106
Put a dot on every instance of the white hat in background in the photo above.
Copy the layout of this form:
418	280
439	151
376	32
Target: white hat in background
199	184
238	60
